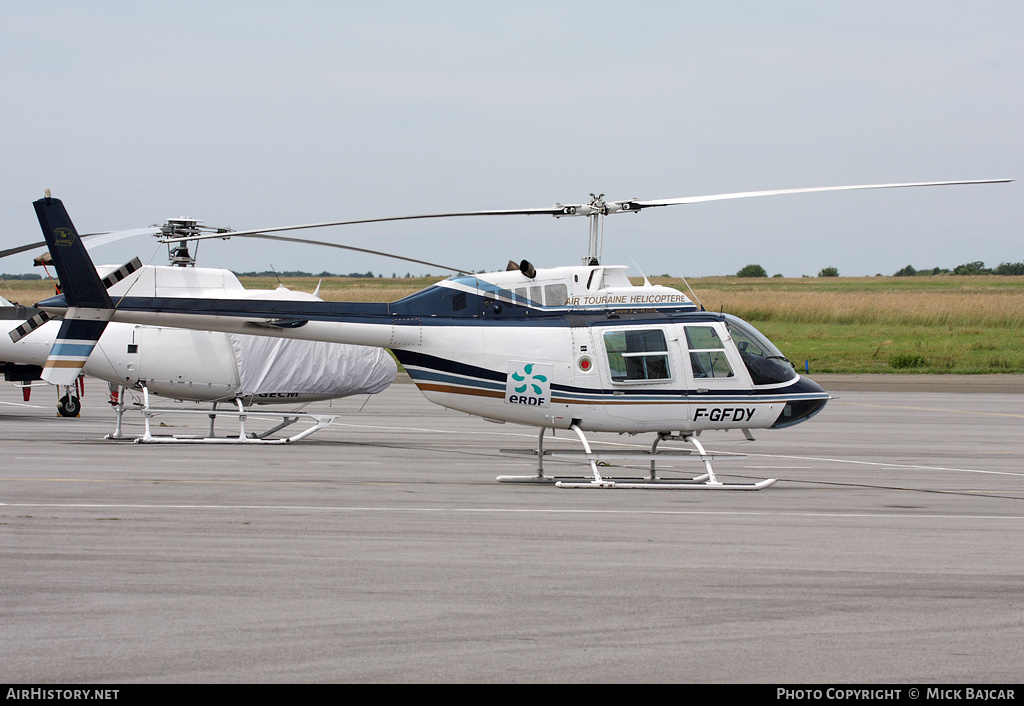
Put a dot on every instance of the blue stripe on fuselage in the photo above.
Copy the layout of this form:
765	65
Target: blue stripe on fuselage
428	367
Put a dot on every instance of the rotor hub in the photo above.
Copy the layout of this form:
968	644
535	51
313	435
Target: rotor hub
178	252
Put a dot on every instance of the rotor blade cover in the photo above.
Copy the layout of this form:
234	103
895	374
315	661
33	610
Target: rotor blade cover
278	366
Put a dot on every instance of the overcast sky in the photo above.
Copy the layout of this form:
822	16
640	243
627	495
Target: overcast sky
259	114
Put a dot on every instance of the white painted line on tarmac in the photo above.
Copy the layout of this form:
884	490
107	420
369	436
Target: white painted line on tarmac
509	511
930	409
882	464
24	404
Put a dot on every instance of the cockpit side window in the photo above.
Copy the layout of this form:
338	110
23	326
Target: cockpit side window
637	355
764	362
707	353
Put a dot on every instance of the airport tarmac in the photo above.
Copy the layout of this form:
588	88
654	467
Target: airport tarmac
382	550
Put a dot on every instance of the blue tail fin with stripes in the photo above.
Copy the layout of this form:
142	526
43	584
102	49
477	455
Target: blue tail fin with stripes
79	282
83	290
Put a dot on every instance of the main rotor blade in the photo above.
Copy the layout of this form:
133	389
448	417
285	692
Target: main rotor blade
349	247
94	240
556	210
637	204
22	248
587	209
98	239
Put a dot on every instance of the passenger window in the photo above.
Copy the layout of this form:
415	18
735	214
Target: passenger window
529	296
555	295
637	355
707	353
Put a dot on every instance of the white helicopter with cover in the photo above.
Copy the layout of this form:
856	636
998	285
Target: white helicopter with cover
577	348
149	362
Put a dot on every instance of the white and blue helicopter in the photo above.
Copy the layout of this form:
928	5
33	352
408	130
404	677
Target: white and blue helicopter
577	348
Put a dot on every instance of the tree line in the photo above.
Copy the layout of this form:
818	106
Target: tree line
297	273
758	271
968	268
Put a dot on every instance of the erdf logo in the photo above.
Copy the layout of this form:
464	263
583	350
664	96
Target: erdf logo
528	384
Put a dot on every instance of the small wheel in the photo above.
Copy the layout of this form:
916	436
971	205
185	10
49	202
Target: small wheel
69	406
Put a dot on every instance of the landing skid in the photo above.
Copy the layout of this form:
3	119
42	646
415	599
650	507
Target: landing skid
705	481
316	421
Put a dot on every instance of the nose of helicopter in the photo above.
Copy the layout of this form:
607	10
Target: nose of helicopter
811	401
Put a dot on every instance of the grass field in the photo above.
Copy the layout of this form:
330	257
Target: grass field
939	324
882	324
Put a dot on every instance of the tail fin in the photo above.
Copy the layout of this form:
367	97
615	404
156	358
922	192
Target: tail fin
78	279
82	289
74	343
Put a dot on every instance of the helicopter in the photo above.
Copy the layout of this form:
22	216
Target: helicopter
577	348
197	366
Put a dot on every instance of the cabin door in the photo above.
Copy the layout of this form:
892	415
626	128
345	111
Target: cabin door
642	374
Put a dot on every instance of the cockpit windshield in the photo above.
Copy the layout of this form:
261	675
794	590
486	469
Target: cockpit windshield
765	362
